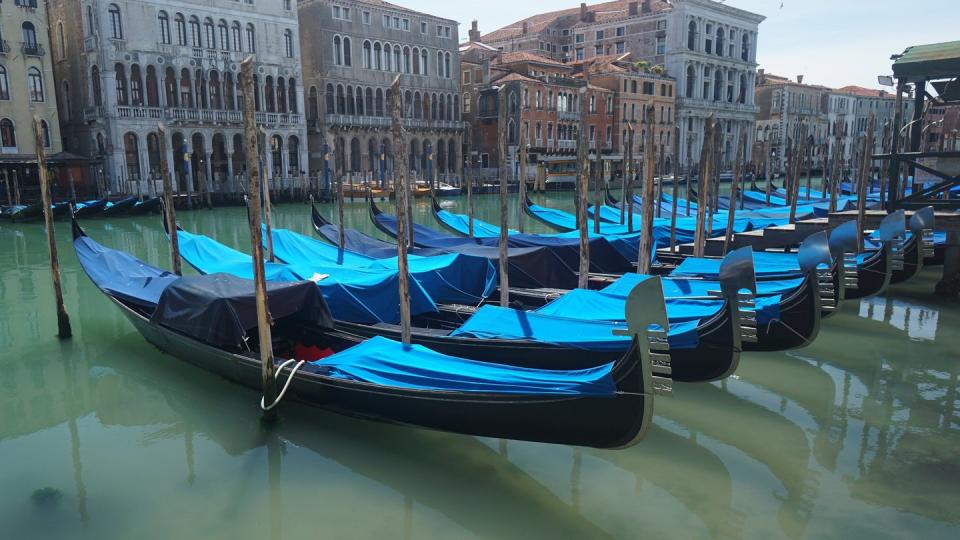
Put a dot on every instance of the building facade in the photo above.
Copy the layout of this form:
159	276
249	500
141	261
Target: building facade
707	46
127	66
848	113
785	109
352	52
27	89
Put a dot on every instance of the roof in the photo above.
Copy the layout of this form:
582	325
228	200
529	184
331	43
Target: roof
865	92
395	7
522	56
514	76
606	11
933	61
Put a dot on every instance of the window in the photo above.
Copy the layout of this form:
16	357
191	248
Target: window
366	17
35	84
116	27
251	38
578	38
346	52
621	47
396	22
342	13
181	24
621	31
692	36
194	31
337	50
29	33
164	21
288	43
386	21
708	42
661	45
224	33
423	27
580	53
599	35
8	138
45	133
720	37
599	50
4	84
235	34
367	55
406	25
662	24
745	48
211	38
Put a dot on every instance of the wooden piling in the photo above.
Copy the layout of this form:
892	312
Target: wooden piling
504	240
689	175
169	212
596	173
713	179
628	181
6	187
468	174
16	188
63	319
268	221
401	193
338	174
862	189
522	188
768	148
676	177
734	190
583	165
835	175
264	320
793	190
706	170
646	213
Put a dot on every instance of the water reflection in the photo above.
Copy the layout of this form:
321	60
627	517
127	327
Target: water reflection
855	435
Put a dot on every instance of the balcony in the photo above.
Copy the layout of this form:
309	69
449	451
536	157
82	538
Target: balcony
32	49
568	115
91	114
140	112
566	145
197	116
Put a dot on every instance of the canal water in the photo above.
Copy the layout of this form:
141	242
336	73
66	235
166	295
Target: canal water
103	437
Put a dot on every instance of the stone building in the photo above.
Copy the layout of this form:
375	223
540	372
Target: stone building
709	47
26	89
848	112
129	65
352	52
786	107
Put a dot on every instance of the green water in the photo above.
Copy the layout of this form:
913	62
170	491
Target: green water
103	437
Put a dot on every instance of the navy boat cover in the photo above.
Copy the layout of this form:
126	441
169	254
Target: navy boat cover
122	275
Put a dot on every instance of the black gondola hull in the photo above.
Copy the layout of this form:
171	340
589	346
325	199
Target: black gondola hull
798	323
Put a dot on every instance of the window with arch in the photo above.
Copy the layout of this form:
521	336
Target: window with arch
377	56
691	81
208	33
720	38
121	86
367	54
181	27
423	62
91	28
61	41
396	58
224	33
439	64
45	133
29	33
116	25
337	51
387	56
692	36
195	32
288	43
164	21
251	38
235	34
95	86
346	52
35	84
446	65
745	47
406	60
4	84
8	135
329	99
136	87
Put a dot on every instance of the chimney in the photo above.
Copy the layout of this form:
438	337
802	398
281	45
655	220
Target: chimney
526	27
646	7
583	12
799	79
633	9
474	32
760	77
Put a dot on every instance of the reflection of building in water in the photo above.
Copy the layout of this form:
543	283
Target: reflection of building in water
919	322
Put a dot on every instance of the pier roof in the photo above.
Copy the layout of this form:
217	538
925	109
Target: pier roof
932	61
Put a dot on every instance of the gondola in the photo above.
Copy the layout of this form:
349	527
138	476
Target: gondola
701	350
607	407
120	207
22	213
90	208
146	206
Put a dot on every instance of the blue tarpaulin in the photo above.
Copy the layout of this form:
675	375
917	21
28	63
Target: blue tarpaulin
360	296
122	275
391	364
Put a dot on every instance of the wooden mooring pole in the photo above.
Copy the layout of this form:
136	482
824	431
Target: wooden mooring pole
267	210
863	188
503	267
169	212
522	187
63	319
596	174
646	213
401	193
676	177
706	170
468	173
6	187
735	190
264	320
583	168
628	181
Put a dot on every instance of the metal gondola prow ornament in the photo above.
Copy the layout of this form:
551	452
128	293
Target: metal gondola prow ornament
737	274
921	224
646	316
815	262
893	234
843	247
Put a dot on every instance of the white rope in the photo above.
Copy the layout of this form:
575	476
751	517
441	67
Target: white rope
285	386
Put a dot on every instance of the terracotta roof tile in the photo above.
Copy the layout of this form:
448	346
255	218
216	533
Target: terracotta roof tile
865	92
603	12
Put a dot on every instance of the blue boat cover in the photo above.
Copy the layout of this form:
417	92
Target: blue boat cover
360	296
450	278
494	322
586	305
391	364
122	275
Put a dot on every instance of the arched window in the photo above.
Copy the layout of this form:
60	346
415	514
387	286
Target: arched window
210	38
367	54
8	136
164	21
377	56
235	34
346	52
416	61
170	87
35	84
446	65
29	33
95	83
406	60
195	32
387	57
91	28
281	95
65	101
337	51
136	86
224	33
717	85
341	101
61	41
292	94
251	38
368	100
288	42
720	36
423	62
293	153
312	104
691	81
692	36
351	104
116	26
181	26
396	58
329	99
439	64
745	47
45	133
4	84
